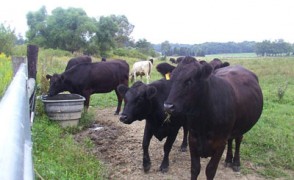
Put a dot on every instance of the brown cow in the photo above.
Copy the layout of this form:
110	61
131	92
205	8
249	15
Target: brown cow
219	106
89	78
78	60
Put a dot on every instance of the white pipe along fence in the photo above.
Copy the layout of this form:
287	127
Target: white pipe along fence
15	130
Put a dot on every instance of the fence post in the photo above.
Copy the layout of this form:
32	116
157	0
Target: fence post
32	54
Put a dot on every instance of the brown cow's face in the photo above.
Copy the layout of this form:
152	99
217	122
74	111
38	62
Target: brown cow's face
188	87
56	84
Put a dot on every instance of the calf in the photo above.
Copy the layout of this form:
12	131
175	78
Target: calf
219	107
89	78
78	60
141	68
146	102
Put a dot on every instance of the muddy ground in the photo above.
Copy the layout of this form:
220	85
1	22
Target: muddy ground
119	147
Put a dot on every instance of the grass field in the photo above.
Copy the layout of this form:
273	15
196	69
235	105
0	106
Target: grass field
268	146
5	73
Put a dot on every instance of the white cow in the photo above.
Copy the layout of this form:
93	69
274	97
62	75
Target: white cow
141	68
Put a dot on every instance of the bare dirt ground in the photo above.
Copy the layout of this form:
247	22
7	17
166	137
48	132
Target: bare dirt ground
119	147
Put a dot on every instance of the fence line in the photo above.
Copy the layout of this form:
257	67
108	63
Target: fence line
15	133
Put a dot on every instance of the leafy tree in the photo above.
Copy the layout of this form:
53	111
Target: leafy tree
275	48
105	34
37	23
69	29
166	48
145	47
7	40
124	30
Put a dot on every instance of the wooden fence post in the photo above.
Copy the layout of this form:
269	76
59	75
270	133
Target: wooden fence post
32	54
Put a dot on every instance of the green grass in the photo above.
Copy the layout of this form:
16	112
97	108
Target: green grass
5	73
268	146
58	156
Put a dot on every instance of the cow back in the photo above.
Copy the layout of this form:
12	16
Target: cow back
98	77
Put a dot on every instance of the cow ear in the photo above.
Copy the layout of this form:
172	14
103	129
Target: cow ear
206	70
48	76
151	92
122	89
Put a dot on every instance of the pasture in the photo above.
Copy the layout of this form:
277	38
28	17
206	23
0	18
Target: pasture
5	73
267	149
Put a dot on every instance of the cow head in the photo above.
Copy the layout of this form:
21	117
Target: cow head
56	84
138	101
189	83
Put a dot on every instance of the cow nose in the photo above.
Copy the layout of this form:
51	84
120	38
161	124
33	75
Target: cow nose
123	118
169	108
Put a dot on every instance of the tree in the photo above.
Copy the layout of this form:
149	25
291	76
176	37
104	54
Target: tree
37	23
7	40
69	29
124	30
275	48
145	47
105	34
166	48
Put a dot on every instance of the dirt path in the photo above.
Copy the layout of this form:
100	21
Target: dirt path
119	146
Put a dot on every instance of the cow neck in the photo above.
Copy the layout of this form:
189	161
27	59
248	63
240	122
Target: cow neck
156	113
202	100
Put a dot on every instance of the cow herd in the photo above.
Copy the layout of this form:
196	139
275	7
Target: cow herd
215	103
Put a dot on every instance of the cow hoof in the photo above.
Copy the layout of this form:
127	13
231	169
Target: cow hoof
163	169
236	168
228	164
147	168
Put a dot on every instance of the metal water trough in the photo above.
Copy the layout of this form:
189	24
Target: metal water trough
66	109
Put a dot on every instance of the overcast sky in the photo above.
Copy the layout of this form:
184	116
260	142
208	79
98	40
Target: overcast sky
181	21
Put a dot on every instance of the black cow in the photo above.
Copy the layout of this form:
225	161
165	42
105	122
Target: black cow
219	106
179	59
172	60
217	63
146	102
89	78
164	68
78	60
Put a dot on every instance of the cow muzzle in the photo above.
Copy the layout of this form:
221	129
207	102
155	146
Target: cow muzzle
169	108
124	119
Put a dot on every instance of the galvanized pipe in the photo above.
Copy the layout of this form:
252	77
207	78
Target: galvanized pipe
15	134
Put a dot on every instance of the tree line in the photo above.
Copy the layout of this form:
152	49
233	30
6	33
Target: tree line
72	30
264	48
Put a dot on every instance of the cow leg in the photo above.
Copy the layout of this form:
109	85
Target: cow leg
213	163
185	139
119	102
87	101
146	142
167	147
195	158
236	159
229	156
135	76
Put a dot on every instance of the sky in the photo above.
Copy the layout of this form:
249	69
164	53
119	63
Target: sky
180	21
